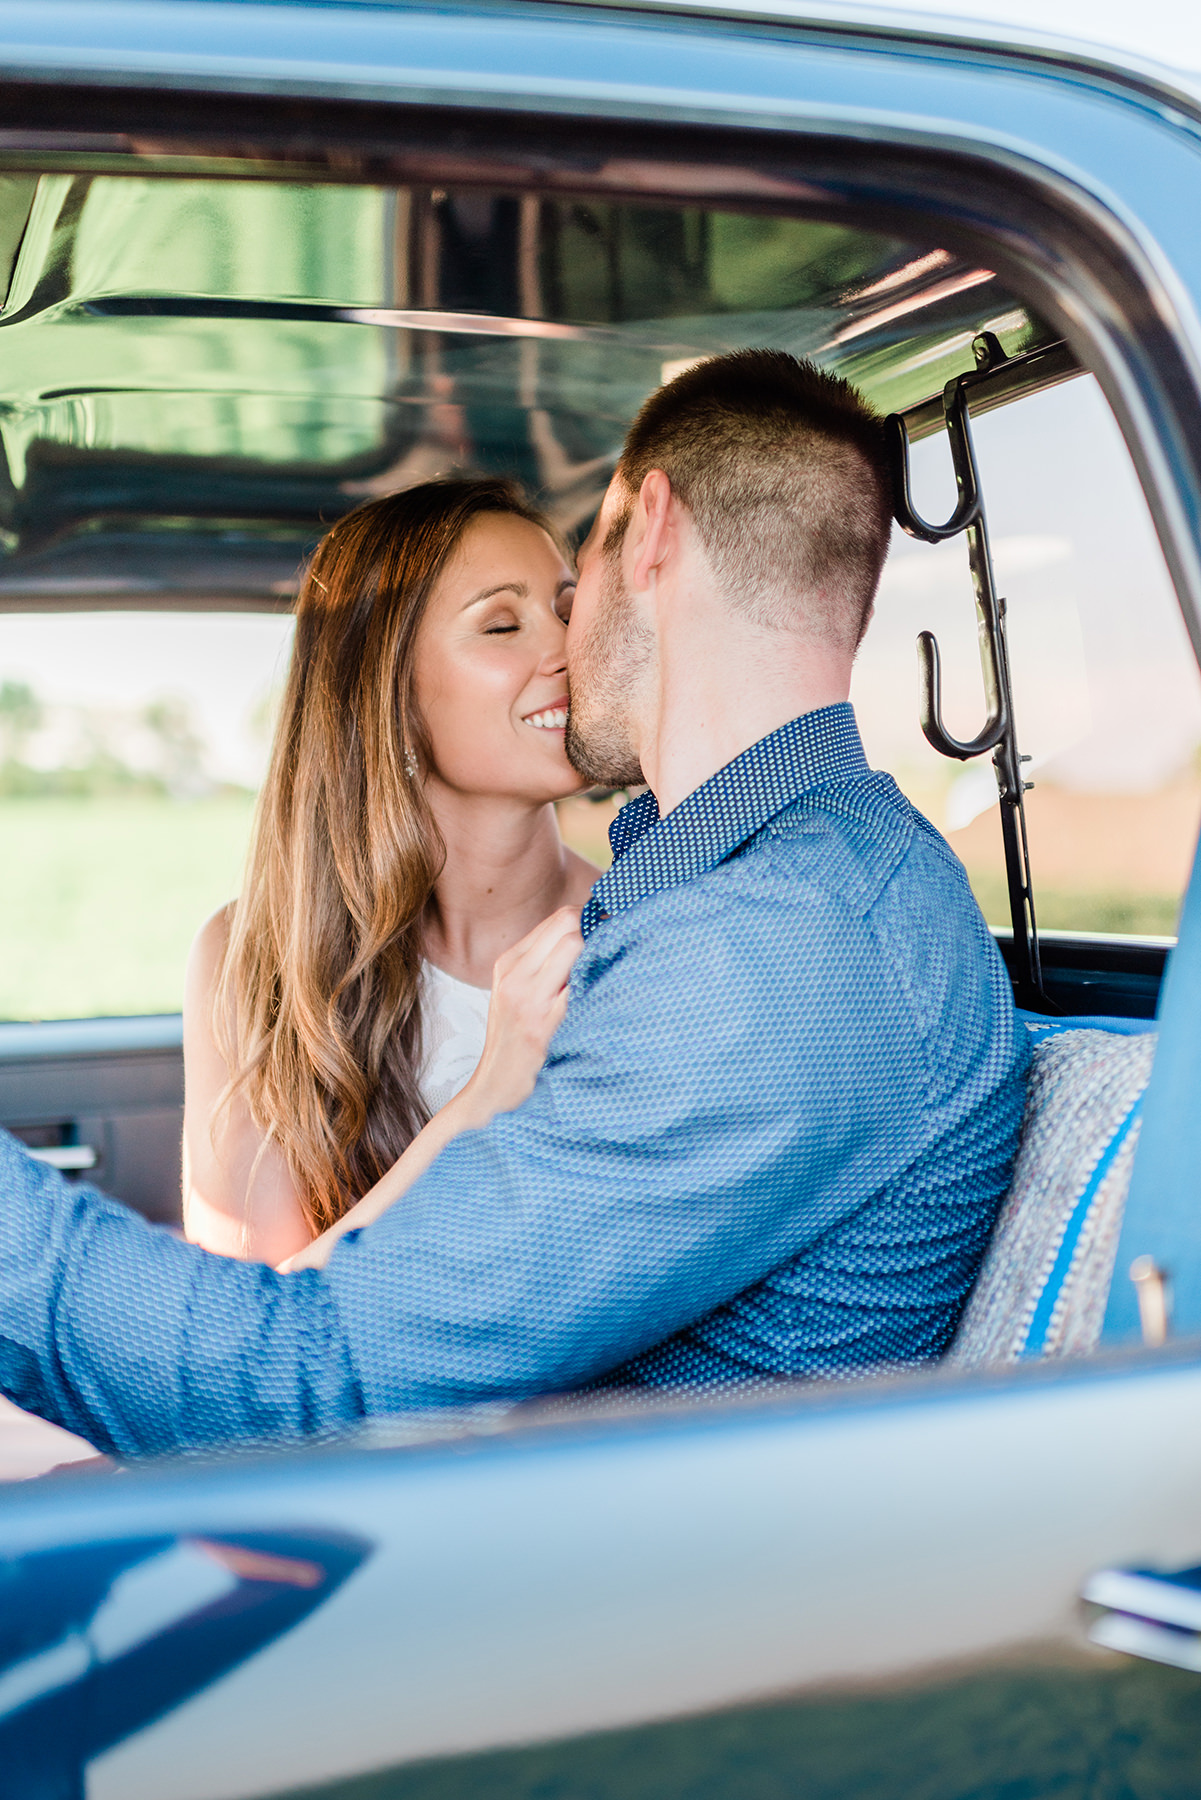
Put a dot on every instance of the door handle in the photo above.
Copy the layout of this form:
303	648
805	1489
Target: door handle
1148	1614
70	1159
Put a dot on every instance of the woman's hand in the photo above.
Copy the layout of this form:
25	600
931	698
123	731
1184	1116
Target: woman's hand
529	998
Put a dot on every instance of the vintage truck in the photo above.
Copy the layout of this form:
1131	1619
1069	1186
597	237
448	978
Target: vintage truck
262	257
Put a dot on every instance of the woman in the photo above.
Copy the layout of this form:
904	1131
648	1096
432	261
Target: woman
405	847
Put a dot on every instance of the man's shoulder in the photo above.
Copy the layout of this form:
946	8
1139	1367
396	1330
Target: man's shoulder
858	859
810	873
740	911
851	839
853	859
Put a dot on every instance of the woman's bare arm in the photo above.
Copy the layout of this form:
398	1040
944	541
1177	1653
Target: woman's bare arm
458	1115
529	998
238	1196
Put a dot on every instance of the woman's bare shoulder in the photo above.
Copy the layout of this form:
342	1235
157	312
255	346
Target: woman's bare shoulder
207	953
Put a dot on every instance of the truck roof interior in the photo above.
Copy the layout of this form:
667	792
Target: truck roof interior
197	375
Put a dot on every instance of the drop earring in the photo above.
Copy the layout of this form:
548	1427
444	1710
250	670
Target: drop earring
410	763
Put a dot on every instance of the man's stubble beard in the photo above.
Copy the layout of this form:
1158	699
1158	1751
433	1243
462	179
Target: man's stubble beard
603	681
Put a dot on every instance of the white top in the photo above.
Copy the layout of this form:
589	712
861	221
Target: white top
454	1019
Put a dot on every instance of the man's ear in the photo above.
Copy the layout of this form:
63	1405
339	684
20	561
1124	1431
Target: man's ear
652	531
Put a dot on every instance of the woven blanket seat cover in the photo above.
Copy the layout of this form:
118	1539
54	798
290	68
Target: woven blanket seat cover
1044	1283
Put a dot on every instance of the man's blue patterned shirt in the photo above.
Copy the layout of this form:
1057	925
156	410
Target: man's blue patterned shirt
770	1140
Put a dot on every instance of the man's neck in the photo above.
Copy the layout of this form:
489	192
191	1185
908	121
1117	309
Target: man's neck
705	713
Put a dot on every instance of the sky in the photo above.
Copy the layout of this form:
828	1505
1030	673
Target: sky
1168	31
1165	31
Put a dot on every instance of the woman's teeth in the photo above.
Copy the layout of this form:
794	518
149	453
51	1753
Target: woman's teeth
553	719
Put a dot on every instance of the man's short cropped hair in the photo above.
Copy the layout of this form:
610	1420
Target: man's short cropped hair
783	469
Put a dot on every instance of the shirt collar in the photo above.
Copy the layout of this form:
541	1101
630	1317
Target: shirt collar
716	819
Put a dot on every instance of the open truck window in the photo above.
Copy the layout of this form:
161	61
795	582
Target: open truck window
133	744
226	367
200	375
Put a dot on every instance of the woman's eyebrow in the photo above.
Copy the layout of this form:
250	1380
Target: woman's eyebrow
520	588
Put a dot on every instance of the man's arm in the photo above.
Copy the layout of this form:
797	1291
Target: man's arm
707	1086
120	1331
665	1162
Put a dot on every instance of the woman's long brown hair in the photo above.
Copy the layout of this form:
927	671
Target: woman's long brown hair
317	1007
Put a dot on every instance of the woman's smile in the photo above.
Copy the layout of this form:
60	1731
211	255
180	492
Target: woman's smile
550	718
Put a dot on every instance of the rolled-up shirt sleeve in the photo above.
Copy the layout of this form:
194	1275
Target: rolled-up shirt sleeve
140	1342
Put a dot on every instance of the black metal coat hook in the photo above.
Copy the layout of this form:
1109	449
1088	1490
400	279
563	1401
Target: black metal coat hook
968	517
998	733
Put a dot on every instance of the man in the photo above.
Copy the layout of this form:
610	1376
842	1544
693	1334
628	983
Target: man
775	1126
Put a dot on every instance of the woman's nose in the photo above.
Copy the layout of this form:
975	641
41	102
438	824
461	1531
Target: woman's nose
554	649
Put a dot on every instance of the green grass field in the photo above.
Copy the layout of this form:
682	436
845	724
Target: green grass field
100	899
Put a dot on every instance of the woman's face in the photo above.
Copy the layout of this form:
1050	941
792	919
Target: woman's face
489	668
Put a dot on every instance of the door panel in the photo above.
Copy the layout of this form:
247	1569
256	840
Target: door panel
871	1589
108	1090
